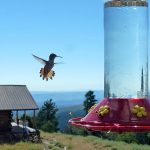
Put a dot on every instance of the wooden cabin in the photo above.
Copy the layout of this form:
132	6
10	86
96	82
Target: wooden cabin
14	98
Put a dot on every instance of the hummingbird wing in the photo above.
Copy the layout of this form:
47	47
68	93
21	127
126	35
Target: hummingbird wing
59	63
42	61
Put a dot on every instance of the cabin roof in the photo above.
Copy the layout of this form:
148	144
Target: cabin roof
16	97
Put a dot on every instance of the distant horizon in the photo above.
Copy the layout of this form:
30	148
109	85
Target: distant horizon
64	98
32	91
81	90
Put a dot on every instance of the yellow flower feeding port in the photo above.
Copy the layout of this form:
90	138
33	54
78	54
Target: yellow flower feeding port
103	110
139	111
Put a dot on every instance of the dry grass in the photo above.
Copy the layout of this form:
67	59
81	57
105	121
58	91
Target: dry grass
58	141
90	143
21	146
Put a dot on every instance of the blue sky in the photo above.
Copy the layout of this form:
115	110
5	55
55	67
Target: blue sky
72	29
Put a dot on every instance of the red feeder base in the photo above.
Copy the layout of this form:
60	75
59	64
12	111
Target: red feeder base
117	114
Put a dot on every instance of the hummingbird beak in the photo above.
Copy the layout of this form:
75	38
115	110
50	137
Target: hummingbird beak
59	56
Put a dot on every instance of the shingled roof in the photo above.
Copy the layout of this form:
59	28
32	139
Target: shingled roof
16	97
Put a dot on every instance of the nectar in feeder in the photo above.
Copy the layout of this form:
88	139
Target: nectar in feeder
126	70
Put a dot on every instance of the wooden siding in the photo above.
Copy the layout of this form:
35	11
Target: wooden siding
5	121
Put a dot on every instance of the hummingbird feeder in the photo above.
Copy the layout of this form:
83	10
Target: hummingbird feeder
125	107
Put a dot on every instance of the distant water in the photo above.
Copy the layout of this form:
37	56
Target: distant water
63	99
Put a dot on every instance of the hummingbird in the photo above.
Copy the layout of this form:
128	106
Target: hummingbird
47	71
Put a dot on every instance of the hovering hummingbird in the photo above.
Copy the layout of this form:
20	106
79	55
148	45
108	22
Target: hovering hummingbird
47	71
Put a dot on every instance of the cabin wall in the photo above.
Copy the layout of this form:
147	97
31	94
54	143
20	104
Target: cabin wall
5	121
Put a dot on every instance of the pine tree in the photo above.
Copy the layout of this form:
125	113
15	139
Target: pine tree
89	101
46	118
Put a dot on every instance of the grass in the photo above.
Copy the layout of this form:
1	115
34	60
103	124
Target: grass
91	143
59	141
21	146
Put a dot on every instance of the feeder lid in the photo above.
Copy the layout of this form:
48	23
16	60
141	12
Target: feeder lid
123	3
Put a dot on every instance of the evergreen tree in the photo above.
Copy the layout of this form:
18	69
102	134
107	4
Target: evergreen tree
46	118
89	101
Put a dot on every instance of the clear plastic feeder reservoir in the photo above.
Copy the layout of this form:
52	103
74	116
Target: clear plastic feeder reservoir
126	106
126	47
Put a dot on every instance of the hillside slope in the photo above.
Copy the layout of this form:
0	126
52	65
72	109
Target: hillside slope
71	142
64	115
59	141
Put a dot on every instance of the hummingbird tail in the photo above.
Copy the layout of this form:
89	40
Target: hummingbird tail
46	74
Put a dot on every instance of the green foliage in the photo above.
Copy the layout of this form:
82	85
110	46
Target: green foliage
46	118
126	137
50	126
29	119
75	131
142	138
131	137
89	101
